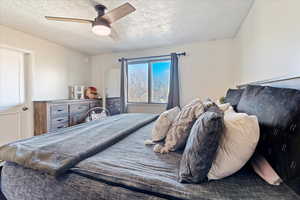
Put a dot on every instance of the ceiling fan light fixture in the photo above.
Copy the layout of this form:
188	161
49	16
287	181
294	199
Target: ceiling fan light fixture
101	25
101	28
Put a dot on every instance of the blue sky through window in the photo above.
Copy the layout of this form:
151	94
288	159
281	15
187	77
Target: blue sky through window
138	88
160	81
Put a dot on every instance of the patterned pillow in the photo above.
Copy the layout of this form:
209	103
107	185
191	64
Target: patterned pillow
236	145
163	123
181	126
201	147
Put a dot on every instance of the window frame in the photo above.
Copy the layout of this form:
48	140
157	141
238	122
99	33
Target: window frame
149	63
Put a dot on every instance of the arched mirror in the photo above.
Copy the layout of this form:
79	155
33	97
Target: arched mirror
112	82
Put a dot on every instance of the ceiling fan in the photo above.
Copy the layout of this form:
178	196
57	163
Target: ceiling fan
101	25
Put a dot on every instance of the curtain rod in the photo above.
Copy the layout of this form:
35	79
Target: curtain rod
138	58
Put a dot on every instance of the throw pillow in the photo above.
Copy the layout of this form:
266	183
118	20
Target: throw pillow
181	126
163	123
201	147
262	167
237	144
224	106
233	97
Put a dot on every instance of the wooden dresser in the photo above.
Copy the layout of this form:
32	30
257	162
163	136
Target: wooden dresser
58	114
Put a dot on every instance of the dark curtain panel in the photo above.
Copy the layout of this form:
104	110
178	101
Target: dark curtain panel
173	99
123	92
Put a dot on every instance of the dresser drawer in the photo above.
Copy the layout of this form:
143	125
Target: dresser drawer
59	120
57	126
79	107
58	110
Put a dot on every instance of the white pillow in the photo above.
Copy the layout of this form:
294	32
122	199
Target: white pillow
163	123
224	106
236	145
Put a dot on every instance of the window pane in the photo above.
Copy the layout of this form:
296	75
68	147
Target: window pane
160	81
138	82
11	78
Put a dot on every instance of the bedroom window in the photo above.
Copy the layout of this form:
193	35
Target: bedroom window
148	81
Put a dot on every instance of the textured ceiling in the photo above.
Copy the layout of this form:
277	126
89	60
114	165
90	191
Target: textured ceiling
155	23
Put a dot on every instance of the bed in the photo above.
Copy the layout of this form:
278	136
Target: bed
124	168
137	172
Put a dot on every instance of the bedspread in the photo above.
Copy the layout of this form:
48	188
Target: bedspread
57	152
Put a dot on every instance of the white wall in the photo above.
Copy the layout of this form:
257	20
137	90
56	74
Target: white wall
268	44
55	67
206	71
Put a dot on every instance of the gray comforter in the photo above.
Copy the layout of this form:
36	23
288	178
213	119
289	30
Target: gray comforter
57	152
134	165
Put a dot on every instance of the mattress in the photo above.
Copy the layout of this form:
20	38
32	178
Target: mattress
131	170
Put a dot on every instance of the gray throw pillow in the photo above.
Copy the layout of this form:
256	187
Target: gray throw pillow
201	146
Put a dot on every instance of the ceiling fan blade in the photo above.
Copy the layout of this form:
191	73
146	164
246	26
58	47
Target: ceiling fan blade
114	35
63	19
119	12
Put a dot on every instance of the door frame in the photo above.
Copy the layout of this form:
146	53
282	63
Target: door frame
29	64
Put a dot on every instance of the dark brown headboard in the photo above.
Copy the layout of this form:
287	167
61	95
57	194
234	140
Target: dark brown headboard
282	82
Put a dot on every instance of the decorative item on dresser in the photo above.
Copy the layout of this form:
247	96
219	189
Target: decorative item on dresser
57	114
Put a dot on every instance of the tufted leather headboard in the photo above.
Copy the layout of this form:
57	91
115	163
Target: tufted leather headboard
278	113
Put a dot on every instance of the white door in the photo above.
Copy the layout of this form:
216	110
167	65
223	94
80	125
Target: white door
15	105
